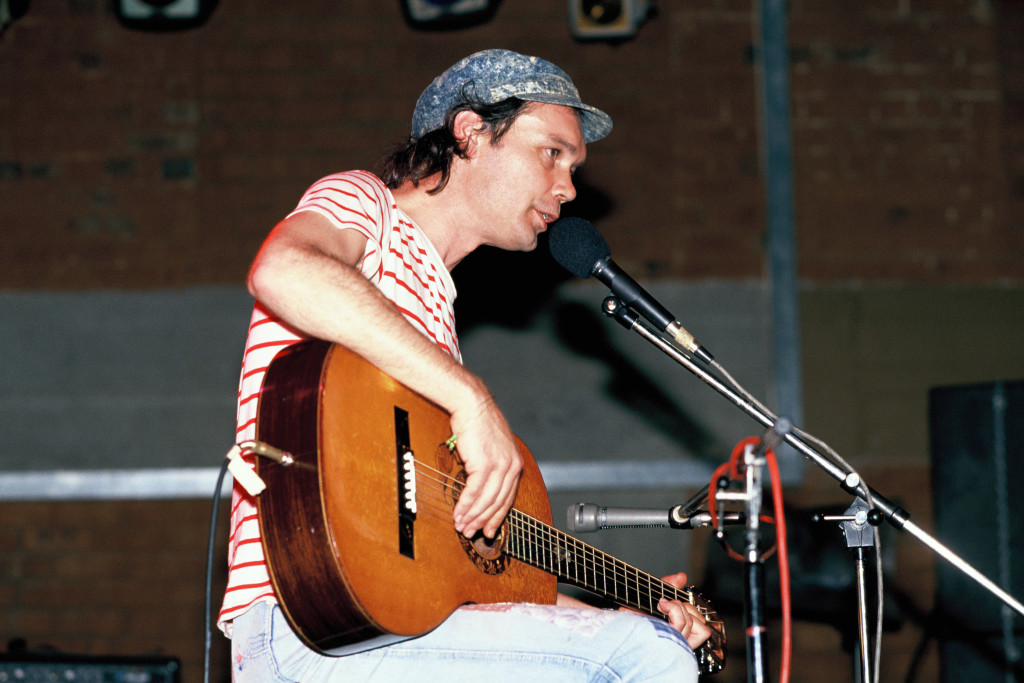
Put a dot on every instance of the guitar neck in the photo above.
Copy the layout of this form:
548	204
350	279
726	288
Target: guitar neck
573	561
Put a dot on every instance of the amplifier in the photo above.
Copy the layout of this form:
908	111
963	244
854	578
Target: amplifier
33	668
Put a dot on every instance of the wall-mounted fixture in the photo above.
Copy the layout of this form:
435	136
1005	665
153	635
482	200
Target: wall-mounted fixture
447	14
163	15
606	19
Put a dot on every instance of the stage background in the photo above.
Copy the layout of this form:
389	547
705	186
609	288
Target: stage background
139	172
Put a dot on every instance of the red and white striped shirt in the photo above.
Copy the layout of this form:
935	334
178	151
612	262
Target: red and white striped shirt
400	260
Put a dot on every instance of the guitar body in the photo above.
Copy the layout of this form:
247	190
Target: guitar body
352	566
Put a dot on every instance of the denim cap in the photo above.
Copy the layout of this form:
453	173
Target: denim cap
495	75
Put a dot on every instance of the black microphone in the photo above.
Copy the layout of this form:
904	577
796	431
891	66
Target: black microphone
586	517
578	247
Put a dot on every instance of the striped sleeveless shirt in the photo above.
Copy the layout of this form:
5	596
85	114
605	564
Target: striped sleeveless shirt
402	263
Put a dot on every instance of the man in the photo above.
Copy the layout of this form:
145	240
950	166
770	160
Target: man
365	264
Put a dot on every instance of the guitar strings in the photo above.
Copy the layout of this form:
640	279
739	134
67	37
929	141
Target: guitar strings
538	543
595	562
544	552
528	526
630	577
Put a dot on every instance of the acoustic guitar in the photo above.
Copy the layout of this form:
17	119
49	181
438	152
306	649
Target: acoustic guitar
358	531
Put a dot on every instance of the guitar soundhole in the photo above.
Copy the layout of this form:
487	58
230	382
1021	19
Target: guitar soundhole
487	553
489	547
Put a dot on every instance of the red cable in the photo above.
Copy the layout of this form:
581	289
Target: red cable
780	543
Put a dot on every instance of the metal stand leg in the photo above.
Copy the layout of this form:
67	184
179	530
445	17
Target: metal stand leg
860	534
757	663
862	616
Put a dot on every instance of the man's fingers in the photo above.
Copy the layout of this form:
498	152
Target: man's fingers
686	619
676	613
472	502
485	505
678	580
496	515
493	463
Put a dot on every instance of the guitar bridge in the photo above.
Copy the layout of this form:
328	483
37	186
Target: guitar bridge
405	462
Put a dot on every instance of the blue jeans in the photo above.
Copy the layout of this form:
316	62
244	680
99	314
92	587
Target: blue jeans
506	642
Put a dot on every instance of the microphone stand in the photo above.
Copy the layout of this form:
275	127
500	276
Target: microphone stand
848	481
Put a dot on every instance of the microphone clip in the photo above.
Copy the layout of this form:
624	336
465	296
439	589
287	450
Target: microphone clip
614	307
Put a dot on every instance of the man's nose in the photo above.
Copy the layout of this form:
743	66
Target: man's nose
564	189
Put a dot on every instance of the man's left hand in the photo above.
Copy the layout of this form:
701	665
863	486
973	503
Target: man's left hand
683	616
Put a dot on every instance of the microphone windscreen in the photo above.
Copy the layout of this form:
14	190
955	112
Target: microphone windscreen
576	245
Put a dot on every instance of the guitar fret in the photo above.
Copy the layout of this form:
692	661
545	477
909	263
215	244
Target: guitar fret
581	565
542	546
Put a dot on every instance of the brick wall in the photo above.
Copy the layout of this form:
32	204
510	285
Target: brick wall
899	116
152	159
111	579
1010	48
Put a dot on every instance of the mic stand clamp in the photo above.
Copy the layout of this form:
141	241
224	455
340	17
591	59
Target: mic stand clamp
754	461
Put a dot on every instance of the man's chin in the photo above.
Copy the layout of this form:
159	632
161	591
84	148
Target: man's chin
528	243
531	246
523	242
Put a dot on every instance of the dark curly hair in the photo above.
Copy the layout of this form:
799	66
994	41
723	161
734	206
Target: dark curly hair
420	158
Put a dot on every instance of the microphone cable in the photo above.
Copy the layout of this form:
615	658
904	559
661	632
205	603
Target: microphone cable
208	593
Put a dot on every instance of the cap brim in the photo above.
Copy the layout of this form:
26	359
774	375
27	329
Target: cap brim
596	124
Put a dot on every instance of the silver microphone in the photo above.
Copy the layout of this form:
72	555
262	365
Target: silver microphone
587	517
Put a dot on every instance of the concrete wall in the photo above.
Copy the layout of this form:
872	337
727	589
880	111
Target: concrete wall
153	384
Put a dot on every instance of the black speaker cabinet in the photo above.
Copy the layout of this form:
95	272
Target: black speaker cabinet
977	449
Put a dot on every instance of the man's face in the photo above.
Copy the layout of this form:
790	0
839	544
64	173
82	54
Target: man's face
518	185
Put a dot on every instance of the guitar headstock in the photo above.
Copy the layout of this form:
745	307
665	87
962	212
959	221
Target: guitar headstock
711	654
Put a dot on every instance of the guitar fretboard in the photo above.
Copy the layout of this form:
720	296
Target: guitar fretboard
573	561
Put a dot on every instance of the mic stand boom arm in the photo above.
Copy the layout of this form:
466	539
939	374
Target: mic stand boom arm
849	481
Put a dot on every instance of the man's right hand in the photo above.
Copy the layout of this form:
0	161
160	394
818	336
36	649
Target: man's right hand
490	454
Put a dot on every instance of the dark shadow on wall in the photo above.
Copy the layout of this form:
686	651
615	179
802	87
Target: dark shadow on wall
584	331
509	288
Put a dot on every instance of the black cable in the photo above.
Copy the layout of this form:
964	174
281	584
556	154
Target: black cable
209	568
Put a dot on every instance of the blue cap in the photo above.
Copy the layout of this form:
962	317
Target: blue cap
495	75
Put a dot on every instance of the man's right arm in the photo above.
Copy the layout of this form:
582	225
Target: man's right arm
305	273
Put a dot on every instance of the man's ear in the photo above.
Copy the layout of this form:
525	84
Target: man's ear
468	130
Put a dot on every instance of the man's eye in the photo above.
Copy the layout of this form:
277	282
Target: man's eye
553	153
